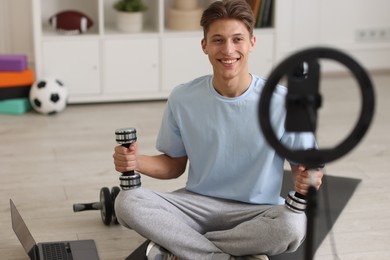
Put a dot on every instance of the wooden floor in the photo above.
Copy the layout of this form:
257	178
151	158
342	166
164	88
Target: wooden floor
47	163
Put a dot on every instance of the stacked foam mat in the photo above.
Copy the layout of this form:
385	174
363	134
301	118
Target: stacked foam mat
16	80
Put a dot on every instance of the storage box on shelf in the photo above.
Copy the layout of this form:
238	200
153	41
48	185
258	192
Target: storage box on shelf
105	64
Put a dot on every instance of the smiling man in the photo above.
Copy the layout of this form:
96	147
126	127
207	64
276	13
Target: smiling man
231	206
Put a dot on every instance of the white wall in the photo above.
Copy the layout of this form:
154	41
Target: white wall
16	35
335	23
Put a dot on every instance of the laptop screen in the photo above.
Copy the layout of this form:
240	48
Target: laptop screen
21	230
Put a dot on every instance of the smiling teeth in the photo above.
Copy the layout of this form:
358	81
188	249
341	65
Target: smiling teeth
228	61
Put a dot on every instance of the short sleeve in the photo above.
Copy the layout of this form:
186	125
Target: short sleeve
299	141
169	140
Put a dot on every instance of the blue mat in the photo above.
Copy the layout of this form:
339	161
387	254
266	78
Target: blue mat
15	106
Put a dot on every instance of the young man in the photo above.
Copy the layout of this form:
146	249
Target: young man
231	206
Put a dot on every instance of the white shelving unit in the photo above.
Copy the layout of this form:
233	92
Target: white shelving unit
105	65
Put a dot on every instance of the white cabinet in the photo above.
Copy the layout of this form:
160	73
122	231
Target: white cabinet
131	66
75	63
105	64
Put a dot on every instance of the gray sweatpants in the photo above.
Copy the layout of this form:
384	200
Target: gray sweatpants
193	226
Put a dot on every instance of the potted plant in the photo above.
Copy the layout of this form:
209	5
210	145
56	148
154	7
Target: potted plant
129	15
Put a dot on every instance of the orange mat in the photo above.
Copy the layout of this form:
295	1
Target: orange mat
12	79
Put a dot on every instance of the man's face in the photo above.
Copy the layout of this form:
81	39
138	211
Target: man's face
228	44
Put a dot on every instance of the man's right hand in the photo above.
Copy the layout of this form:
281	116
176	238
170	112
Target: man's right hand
125	159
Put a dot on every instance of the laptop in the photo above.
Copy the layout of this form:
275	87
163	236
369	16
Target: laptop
62	250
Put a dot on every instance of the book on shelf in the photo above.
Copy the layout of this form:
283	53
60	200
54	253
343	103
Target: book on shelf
263	13
267	16
255	5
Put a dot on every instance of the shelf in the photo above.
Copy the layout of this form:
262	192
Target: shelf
105	64
49	32
111	30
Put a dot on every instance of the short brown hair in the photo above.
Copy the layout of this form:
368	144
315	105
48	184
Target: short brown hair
228	9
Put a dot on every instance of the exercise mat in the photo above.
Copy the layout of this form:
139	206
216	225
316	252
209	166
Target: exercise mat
338	191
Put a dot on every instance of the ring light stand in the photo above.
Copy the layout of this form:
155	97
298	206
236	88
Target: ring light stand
302	102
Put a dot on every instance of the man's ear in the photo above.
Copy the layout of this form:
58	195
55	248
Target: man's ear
203	43
253	43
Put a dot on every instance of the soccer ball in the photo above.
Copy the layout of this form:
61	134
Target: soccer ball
48	96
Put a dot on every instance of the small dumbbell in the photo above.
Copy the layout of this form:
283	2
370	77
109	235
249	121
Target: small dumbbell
105	205
125	137
296	201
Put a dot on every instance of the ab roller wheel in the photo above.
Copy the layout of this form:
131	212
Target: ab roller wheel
114	192
105	205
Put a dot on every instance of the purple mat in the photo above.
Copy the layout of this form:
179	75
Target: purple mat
13	62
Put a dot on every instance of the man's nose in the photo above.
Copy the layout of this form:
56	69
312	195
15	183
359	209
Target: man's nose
228	47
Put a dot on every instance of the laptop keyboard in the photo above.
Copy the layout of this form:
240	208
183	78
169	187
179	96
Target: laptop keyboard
56	251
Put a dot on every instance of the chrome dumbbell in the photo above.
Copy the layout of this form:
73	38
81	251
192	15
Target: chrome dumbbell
125	137
298	202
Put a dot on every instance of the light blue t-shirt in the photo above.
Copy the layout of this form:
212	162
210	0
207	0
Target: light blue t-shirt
228	155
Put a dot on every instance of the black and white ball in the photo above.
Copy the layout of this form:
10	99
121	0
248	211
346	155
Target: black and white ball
48	96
